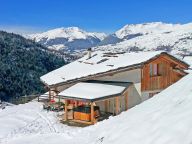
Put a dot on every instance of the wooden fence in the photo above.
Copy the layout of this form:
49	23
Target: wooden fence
23	99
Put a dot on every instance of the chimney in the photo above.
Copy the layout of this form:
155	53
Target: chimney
89	53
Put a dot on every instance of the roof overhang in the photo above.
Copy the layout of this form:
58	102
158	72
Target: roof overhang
91	92
90	77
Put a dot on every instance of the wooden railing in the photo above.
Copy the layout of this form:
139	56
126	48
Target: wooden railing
23	99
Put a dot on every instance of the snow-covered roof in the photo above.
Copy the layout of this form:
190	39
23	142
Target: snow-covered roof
100	62
188	59
91	91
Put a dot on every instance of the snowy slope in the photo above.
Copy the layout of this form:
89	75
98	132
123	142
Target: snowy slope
147	28
68	38
163	119
188	59
174	38
29	119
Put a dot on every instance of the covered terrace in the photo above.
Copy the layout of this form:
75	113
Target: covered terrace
85	100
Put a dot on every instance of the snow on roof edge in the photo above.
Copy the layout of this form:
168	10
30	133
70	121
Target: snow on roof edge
62	80
89	92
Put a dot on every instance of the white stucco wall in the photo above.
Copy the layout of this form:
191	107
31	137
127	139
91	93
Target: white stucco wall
138	87
127	76
134	97
144	96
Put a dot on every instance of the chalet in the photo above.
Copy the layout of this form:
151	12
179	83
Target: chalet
110	83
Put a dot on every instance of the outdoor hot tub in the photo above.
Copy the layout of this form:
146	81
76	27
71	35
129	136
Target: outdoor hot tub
83	113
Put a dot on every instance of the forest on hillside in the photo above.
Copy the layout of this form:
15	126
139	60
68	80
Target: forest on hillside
22	62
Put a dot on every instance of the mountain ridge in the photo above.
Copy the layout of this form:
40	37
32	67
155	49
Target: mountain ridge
174	38
71	37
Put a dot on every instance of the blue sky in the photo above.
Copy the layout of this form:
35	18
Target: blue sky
29	16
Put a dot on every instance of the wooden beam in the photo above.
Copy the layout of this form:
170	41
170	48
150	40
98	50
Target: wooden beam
106	105
117	105
49	94
82	122
92	113
126	100
75	103
66	110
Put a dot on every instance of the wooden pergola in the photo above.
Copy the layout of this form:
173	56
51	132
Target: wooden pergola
83	92
93	120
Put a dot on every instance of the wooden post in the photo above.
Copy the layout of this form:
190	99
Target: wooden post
106	105
171	71
66	110
75	103
117	105
126	100
49	94
92	113
59	100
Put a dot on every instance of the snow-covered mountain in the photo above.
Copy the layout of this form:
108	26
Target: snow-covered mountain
71	38
174	38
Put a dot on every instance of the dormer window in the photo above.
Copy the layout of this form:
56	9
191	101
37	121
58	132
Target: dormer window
154	69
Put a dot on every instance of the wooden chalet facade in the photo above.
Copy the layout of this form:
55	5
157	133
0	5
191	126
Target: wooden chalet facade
153	72
160	73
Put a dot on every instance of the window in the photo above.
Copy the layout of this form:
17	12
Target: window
154	69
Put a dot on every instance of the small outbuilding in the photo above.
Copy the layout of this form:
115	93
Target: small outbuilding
99	98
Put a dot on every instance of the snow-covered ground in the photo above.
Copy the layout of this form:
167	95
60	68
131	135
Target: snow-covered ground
27	120
163	119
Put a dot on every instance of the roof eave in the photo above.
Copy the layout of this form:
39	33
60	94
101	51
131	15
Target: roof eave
121	69
95	99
